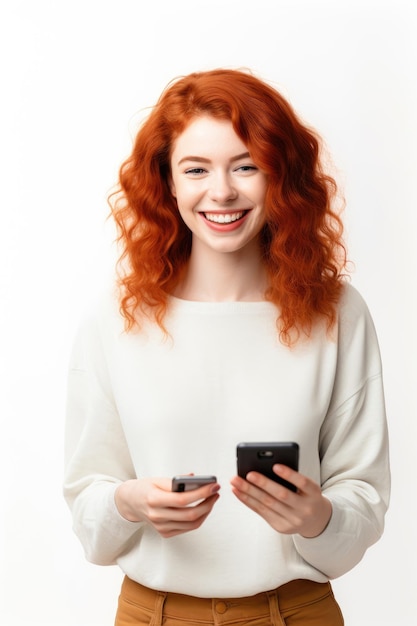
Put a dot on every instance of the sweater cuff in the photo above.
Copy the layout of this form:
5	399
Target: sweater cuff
315	550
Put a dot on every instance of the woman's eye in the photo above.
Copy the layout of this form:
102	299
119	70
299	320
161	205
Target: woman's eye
195	171
247	168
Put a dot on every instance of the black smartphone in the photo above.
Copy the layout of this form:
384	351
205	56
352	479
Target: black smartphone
188	483
260	457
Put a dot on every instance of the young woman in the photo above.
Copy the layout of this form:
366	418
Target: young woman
233	322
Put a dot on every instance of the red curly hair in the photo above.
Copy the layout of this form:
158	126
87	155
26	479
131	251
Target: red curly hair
301	240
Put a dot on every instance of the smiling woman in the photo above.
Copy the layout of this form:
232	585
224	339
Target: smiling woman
300	242
232	323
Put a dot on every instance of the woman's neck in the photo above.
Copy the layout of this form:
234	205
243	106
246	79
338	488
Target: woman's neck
211	276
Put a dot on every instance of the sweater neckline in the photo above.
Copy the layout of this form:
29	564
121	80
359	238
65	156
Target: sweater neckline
232	307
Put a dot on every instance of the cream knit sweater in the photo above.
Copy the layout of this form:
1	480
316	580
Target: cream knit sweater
142	405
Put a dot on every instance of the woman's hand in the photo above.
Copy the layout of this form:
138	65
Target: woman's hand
151	500
306	512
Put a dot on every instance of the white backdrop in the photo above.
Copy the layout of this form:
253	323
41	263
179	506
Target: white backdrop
75	76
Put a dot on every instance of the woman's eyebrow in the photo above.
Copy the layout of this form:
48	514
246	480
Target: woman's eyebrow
199	159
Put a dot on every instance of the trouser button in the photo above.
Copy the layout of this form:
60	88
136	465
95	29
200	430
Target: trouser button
221	607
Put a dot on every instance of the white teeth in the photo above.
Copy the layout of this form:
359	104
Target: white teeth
223	218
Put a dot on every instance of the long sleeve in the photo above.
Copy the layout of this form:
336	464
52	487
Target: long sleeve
353	450
97	458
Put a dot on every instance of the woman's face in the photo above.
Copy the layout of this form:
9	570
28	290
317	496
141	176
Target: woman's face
219	190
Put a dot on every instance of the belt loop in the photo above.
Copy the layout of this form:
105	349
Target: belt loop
276	617
159	605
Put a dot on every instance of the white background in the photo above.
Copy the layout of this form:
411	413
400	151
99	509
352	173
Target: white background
75	77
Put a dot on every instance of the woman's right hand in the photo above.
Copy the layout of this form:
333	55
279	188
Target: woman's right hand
151	500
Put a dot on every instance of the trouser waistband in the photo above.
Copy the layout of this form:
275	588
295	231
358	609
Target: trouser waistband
181	606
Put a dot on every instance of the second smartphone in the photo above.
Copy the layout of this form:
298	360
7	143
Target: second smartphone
262	456
188	483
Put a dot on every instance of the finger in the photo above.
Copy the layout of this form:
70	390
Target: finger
188	498
171	529
194	511
273	512
301	482
265	499
270	487
162	514
169	522
277	513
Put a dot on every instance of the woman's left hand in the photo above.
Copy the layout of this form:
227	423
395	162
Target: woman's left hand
305	512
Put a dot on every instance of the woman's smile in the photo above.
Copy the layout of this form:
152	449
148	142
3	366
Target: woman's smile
225	221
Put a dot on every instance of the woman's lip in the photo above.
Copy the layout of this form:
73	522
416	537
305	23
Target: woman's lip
227	225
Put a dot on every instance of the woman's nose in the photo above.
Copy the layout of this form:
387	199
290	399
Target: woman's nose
222	188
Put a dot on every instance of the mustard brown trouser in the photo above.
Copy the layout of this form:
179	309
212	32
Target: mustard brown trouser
297	603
